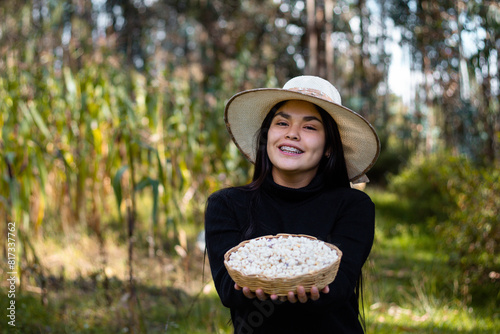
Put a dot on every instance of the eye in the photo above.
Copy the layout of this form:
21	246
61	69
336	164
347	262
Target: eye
310	127
281	123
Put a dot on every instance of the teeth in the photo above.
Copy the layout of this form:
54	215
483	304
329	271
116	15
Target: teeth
290	149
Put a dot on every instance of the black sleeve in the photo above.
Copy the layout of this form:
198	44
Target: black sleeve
353	233
222	232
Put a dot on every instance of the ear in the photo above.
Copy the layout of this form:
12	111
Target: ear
328	153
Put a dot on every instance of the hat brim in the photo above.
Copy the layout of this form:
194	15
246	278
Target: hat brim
246	110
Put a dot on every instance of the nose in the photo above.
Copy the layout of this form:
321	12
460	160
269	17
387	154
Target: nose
292	134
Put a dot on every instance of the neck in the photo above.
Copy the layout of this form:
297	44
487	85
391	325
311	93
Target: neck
293	180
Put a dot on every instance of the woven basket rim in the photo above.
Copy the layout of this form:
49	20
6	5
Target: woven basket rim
271	285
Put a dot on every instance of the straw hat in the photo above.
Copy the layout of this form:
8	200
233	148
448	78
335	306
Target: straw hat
246	110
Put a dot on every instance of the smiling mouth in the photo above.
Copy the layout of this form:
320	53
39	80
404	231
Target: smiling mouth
289	149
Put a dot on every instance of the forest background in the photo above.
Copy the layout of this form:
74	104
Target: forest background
112	137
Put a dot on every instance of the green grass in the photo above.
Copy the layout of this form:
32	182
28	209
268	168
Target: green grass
409	286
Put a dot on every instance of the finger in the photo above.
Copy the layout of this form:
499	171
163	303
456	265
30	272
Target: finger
314	293
261	295
248	293
291	297
274	297
301	294
326	289
237	287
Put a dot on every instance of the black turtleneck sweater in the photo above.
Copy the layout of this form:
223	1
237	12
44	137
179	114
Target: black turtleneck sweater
344	217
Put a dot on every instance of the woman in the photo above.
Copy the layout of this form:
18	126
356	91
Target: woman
308	149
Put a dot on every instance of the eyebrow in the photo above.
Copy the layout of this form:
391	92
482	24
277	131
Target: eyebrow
305	118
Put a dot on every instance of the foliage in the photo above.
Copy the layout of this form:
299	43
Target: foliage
424	182
461	202
472	232
85	100
410	285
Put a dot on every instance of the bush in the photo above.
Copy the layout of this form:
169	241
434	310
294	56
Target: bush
390	161
461	203
473	231
424	181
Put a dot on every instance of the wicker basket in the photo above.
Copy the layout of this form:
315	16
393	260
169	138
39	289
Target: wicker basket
282	285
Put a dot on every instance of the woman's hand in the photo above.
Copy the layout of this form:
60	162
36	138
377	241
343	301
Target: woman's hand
259	293
301	295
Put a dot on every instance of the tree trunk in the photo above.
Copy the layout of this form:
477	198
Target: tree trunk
330	75
362	81
312	38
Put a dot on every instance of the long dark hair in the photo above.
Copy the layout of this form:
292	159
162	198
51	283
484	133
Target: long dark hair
332	166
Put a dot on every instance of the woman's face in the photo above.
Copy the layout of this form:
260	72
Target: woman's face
296	142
